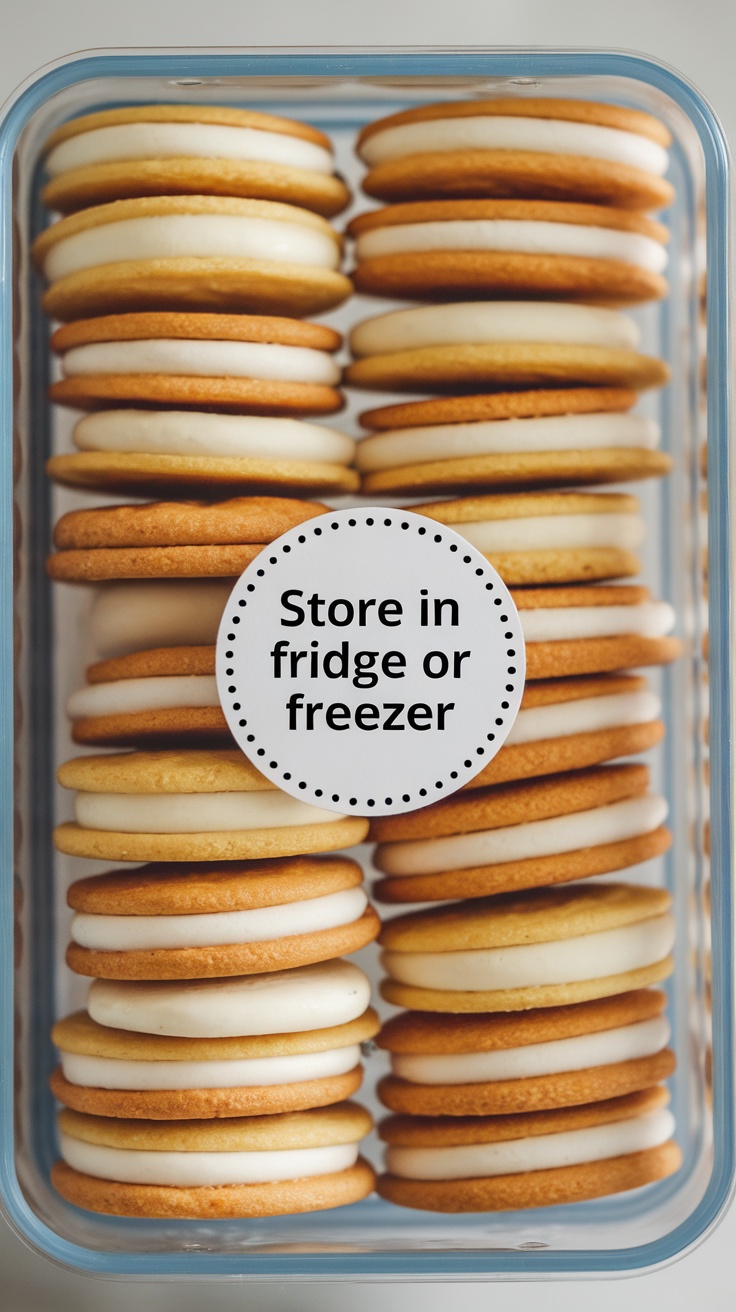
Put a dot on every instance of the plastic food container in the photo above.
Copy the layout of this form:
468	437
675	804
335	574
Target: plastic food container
339	91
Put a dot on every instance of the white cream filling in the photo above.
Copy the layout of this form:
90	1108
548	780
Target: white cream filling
195	813
196	1169
531	237
232	1073
129	617
477	322
197	236
278	1002
213	929
555	532
502	132
409	446
541	1152
532	965
129	141
131	696
198	433
583	1052
204	359
649	619
614	823
589	715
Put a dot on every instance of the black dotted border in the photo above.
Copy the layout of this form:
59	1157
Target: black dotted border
317	531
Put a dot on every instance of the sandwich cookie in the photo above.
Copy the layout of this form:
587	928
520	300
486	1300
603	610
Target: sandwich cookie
544	947
231	919
543	1159
567	436
190	806
521	835
530	1061
569	724
180	539
549	537
525	248
469	345
591	630
190	253
209	1169
231	362
168	150
224	1059
544	149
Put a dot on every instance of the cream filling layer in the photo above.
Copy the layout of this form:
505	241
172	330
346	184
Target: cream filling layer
197	236
278	1002
541	1152
129	141
134	616
198	1169
477	322
237	1073
195	813
204	359
198	433
530	237
501	132
538	838
213	929
410	446
532	965
583	1052
589	715
555	532
650	619
131	696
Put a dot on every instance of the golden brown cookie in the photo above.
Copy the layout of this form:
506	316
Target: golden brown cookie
209	283
136	473
163	727
460	272
543	565
286	1198
531	1188
185	539
505	365
89	391
498	405
513	804
536	174
224	845
93	184
424	1033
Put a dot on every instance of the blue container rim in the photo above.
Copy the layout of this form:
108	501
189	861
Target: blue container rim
425	62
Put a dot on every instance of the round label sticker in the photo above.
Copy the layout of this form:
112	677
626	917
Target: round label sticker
370	661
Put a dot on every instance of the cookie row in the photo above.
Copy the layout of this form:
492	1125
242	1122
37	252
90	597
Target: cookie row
527	1069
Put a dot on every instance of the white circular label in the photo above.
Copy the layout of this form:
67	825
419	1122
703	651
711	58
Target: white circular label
370	661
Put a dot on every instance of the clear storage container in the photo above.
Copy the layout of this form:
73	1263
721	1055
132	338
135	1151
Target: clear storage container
687	515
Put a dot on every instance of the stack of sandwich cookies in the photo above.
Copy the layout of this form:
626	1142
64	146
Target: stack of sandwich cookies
535	834
210	402
563	437
190	253
531	1061
167	150
543	149
244	1046
219	1097
194	922
510	248
540	1159
541	948
190	805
